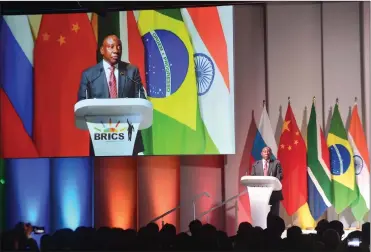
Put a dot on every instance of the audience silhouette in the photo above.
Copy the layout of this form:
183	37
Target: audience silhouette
202	237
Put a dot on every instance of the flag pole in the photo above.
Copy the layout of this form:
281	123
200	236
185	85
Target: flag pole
314	100
292	216
338	215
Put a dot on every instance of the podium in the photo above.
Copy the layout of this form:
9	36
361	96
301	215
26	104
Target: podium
113	123
260	189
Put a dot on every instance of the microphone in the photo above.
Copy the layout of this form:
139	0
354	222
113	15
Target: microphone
138	85
91	82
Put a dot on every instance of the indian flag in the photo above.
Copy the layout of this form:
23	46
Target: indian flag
211	32
357	140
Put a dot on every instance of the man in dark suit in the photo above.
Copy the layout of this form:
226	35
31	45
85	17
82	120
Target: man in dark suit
113	78
269	167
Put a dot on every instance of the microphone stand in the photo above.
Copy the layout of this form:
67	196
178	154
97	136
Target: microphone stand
88	88
137	84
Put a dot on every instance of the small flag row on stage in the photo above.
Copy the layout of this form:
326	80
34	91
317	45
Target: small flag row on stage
324	172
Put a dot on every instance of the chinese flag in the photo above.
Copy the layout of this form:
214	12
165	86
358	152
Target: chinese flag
65	46
292	154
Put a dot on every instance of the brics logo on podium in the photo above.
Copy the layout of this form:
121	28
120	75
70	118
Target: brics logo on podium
110	132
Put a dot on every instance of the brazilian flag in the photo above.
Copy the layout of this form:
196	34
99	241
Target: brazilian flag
171	86
342	164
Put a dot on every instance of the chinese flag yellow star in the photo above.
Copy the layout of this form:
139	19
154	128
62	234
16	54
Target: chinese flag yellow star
46	36
293	159
282	146
286	126
75	27
61	40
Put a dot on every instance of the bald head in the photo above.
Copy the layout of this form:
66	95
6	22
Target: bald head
111	49
266	153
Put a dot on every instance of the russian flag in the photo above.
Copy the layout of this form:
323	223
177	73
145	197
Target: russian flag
264	137
27	201
16	87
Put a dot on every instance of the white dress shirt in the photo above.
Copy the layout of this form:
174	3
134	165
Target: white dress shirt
107	71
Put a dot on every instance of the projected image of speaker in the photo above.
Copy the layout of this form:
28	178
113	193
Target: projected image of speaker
161	84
